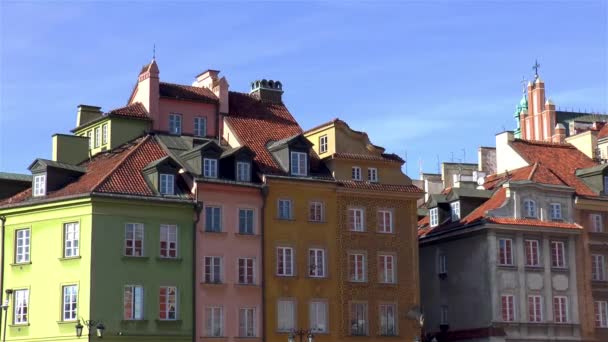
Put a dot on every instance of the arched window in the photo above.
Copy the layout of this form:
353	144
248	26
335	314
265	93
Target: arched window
530	208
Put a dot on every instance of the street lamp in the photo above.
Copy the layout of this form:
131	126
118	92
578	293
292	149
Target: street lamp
301	332
99	327
8	292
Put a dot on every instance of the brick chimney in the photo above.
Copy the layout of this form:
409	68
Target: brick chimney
218	85
267	91
560	134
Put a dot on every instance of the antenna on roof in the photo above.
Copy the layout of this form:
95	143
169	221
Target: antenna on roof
464	155
452	156
154	52
438	165
420	166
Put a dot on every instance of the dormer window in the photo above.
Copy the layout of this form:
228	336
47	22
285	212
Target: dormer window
39	188
455	211
529	209
210	168
167	184
298	163
555	211
323	144
175	124
434	217
356	173
243	172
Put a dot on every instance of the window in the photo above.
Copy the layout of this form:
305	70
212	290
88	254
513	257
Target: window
505	252
434	217
443	264
200	127
443	313
175	124
134	302
104	134
358	319
39	185
356	217
598	267
97	136
246	271
286	314
167	184
168	241
529	208
555	211
90	136
213	269
560	309
168	303
243	172
20	309
385	221
596	223
298	163
285	209
213	219
70	239
210	168
316	262
535	309
318	316
601	314
285	261
532	253
315	212
247	322
134	239
386	269
372	174
22	240
455	206
558	256
388	324
70	303
214	316
246	221
507	308
356	173
322	144
356	267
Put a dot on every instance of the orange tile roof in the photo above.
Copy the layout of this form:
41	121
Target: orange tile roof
385	157
134	110
603	132
350	184
537	172
186	92
531	222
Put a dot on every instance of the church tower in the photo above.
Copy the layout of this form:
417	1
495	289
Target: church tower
538	119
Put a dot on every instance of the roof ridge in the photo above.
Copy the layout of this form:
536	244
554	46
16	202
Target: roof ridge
103	179
533	171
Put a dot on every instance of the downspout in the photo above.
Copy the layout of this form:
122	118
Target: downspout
198	206
262	217
3	219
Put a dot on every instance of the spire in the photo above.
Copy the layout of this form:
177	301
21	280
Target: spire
536	66
154	52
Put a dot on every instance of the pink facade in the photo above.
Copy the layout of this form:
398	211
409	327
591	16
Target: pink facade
188	111
228	296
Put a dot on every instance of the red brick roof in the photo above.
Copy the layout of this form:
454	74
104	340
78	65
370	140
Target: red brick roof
256	123
185	92
537	172
134	110
603	132
385	157
350	184
561	159
117	171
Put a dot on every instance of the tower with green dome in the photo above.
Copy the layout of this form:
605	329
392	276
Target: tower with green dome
521	107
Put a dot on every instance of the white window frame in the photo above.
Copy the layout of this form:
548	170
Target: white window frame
243	171
601	313
175	124
356	173
318	314
382	215
316	257
209	168
560	309
387	319
533	246
356	216
214	321
530	209
357	274
286	315
596	223
507	305
97	136
23	242
555	211
213	215
71	239
166	184
246	271
507	253
200	126
104	134
598	267
386	274
244	217
285	206
21	306
90	136
286	260
135	230
213	269
69	300
323	144
372	174
558	259
134	297
359	319
169	299
39	188
299	163
434	217
535	314
316	211
247	322
169	235
455	211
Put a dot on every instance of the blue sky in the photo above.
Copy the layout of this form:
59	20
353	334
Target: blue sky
429	79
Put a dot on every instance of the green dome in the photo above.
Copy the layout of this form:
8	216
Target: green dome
523	103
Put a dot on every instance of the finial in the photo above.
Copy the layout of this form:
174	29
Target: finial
154	52
524	83
536	66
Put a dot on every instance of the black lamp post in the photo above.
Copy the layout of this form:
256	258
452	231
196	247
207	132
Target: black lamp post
301	332
8	292
90	324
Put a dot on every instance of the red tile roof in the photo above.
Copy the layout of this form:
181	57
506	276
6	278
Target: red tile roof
134	110
603	132
350	184
537	172
185	92
497	200
385	157
256	123
531	222
561	159
117	171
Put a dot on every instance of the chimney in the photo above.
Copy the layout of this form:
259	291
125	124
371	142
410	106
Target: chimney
70	149
267	91
87	113
219	86
148	91
560	134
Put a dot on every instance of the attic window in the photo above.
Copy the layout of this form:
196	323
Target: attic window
39	185
243	171
529	209
323	144
298	163
434	217
167	184
210	168
455	211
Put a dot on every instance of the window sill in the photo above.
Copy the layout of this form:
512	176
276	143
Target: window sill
67	322
285	275
560	269
316	222
69	258
247	285
247	236
386	233
358	231
19	325
162	321
358	282
285	219
534	268
388	284
213	232
221	284
167	259
21	263
133	321
131	257
513	267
